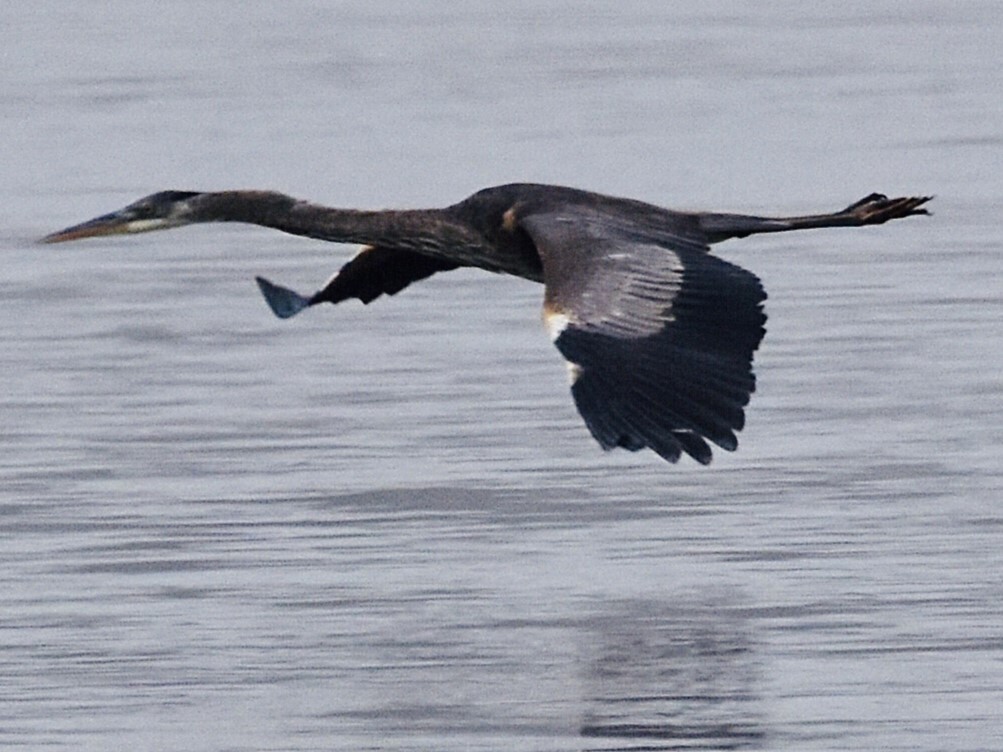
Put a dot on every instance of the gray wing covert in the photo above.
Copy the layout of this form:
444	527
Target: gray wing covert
659	335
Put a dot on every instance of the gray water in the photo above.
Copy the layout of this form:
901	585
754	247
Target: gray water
386	527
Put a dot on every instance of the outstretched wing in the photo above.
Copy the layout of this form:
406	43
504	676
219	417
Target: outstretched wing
658	334
374	271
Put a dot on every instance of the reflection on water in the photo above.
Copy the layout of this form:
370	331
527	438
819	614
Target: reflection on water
673	674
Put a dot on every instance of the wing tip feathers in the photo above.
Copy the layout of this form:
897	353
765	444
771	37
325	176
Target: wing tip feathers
285	303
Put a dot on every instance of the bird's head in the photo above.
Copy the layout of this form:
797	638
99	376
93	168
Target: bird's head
158	211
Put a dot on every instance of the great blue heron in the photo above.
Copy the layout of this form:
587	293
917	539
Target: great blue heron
657	333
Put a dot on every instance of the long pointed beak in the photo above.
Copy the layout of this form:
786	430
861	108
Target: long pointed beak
107	224
116	223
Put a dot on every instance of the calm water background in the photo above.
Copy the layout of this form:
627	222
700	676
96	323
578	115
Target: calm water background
386	527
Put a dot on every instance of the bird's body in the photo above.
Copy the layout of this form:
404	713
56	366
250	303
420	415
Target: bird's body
658	334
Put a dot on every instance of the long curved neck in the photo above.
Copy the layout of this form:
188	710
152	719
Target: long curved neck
429	230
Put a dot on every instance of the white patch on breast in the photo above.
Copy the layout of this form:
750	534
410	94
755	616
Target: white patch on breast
556	322
574	372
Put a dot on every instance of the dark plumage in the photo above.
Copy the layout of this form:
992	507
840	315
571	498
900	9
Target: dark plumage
658	334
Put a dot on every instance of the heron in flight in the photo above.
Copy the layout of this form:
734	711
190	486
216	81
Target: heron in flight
657	333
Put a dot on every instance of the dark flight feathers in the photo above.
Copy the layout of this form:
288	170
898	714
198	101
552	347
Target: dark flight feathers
660	334
379	271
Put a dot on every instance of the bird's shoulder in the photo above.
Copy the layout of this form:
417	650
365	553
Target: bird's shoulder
542	197
594	215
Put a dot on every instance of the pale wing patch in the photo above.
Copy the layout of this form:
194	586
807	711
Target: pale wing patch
638	290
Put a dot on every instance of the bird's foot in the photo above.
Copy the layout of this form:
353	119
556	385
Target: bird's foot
877	208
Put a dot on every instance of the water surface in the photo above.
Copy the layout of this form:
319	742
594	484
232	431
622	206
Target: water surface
385	527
